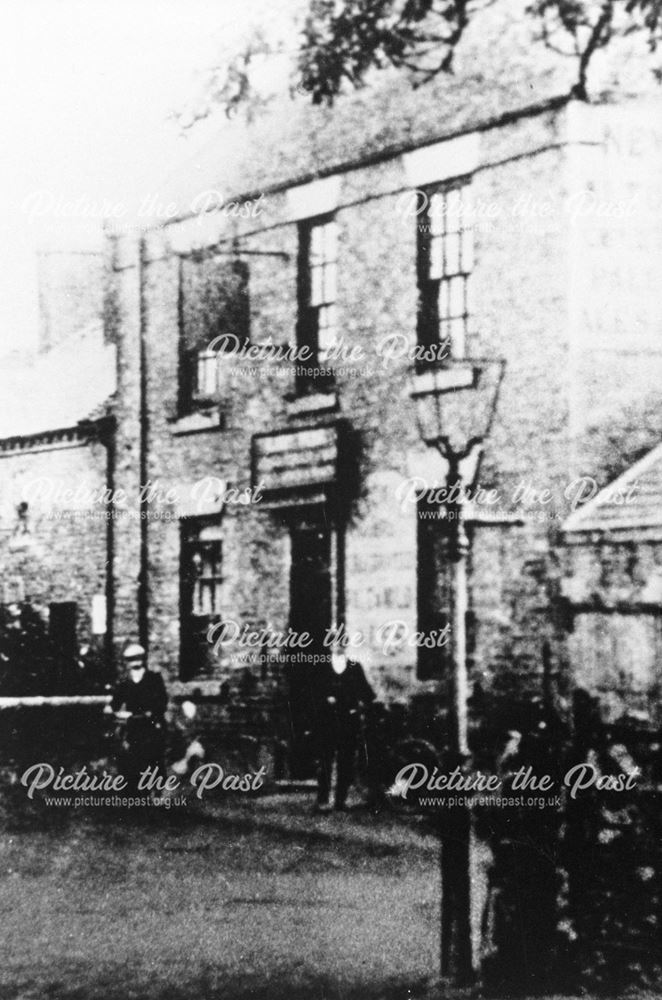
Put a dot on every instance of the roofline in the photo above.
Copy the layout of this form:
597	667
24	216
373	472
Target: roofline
641	465
614	535
87	429
615	527
371	159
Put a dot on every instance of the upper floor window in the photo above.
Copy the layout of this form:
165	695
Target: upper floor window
318	328
214	302
206	374
445	261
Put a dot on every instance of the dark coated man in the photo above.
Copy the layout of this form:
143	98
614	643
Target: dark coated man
342	693
142	696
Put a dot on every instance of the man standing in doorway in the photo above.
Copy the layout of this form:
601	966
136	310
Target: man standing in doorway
342	693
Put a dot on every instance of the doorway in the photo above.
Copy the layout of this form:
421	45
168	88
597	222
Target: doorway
311	611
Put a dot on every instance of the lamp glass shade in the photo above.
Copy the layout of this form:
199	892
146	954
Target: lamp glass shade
456	403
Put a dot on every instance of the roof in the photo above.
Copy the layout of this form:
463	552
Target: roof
59	388
297	141
631	502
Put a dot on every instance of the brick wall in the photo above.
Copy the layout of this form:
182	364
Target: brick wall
63	555
613	589
523	310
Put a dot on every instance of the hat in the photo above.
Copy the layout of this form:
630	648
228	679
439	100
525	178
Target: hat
134	652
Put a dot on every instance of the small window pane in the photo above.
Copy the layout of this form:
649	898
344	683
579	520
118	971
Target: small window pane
456	297
205	599
206	564
206	373
330	274
327	329
331	241
436	257
457	337
323	255
444	331
316	286
436	210
467	250
452	253
443	300
454	211
316	244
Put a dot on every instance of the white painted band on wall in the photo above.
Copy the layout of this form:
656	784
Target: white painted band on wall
442	161
317	198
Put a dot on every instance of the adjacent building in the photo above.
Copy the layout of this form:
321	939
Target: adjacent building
56	458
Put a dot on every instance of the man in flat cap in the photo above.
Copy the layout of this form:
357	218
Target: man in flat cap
142	696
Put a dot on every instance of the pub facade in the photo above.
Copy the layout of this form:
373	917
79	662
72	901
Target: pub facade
269	478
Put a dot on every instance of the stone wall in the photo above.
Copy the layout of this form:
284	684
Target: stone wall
523	310
58	550
613	589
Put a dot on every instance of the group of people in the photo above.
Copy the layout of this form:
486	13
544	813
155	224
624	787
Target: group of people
340	693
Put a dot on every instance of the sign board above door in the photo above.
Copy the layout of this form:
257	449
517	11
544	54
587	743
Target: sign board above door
295	460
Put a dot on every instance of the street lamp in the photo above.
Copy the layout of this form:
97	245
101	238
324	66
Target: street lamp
455	408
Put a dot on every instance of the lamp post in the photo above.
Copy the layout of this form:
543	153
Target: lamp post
455	408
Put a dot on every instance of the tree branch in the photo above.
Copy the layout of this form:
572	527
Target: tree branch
598	38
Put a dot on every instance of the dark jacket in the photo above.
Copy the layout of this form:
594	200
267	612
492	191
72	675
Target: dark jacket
148	695
342	695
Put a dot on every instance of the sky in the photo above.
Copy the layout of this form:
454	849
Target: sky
86	90
86	87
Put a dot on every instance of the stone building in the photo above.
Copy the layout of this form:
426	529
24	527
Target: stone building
267	351
56	456
268	472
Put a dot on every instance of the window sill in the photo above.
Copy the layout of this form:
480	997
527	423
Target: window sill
317	402
204	419
444	378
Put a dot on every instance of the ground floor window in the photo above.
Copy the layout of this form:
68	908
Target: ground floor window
201	588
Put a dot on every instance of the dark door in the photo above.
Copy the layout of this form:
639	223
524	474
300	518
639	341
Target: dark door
310	612
64	643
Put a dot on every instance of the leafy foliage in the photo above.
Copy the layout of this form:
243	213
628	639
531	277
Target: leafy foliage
334	45
343	43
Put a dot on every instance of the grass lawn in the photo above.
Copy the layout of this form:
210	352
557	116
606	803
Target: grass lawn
240	899
250	899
